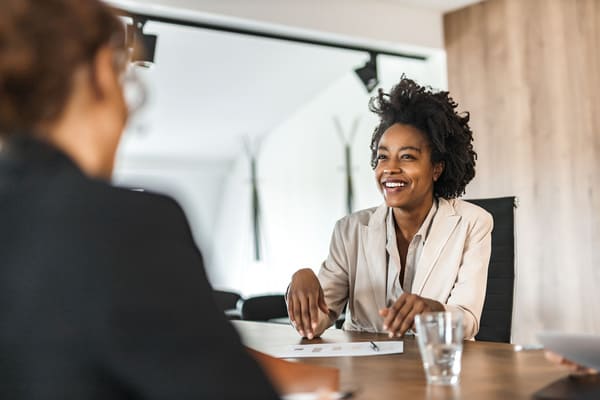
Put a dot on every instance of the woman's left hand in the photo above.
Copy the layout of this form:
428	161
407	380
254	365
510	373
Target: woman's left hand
401	315
575	369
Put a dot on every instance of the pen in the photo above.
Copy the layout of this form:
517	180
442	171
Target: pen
374	346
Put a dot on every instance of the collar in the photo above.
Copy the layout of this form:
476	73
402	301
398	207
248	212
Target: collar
25	148
424	229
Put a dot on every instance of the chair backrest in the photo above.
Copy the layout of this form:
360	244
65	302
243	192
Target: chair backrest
496	317
226	300
264	308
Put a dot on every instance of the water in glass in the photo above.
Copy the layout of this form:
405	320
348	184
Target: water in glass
440	338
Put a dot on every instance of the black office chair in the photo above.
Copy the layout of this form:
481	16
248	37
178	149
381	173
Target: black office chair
228	303
265	308
496	317
339	323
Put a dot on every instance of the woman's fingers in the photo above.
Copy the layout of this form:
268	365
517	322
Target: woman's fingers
392	311
400	317
418	308
306	325
305	298
297	311
389	320
314	312
575	369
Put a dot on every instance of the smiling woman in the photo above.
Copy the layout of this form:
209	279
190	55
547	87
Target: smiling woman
423	249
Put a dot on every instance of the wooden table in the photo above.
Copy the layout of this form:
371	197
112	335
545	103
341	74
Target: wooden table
489	370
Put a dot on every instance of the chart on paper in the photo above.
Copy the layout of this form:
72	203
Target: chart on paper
350	349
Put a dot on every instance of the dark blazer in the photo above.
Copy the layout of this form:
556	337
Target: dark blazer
103	294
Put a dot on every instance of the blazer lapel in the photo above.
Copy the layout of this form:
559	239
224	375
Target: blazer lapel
442	227
373	242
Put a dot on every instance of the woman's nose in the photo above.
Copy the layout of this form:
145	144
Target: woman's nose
392	170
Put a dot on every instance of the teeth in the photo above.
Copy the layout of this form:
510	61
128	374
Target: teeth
395	184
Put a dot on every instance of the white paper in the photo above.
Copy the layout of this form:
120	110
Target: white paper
350	349
584	349
317	396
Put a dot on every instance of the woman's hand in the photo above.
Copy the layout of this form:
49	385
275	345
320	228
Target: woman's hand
305	298
575	369
401	315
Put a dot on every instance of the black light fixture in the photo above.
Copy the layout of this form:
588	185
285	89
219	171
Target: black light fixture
264	34
368	73
142	45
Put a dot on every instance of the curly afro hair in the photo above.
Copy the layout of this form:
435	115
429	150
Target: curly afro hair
432	113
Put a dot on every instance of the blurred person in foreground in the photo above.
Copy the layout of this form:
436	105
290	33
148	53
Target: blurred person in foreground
102	290
423	249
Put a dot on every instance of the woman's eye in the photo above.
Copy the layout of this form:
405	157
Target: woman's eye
381	156
407	157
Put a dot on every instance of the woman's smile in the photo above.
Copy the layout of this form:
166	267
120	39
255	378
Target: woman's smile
394	185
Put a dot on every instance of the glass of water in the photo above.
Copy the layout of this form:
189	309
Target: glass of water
440	338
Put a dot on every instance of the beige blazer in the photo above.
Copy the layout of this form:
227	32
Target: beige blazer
452	268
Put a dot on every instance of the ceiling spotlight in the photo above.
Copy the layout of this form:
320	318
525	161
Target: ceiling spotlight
368	73
142	46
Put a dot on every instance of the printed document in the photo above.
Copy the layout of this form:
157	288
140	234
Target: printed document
351	349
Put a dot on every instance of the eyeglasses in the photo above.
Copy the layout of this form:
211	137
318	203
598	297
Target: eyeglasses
134	89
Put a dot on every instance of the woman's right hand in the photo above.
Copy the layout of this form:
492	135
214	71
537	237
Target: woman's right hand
575	369
305	298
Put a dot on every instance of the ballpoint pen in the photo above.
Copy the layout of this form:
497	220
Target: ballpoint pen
374	346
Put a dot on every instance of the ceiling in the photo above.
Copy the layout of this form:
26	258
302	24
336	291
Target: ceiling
437	5
442	6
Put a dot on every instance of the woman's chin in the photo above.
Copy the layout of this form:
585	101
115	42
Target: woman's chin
395	203
395	200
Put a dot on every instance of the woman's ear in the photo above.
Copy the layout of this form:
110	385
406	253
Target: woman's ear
103	74
438	168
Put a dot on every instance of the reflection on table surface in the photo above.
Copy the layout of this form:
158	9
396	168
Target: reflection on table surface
489	370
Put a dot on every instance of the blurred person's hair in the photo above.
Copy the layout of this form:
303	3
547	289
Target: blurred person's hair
42	44
434	114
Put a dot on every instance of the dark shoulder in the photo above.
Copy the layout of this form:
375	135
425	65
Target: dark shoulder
90	203
135	203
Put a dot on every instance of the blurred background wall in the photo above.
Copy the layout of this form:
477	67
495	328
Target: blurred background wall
529	71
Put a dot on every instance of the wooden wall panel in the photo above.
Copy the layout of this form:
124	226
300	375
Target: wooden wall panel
529	73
